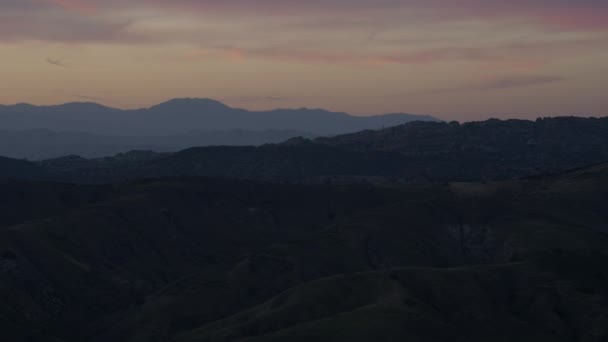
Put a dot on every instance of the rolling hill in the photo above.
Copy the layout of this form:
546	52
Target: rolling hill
195	259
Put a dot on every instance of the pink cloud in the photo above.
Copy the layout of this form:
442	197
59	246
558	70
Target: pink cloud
558	14
501	83
109	26
501	60
589	20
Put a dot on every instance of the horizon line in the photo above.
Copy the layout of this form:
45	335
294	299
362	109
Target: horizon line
437	117
222	102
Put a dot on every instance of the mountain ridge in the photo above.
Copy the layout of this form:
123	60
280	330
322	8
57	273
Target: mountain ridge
414	152
94	130
195	114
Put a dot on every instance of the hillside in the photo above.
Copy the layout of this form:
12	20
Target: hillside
193	259
15	168
418	152
493	148
43	144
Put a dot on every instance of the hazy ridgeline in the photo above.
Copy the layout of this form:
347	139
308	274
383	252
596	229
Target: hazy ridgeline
413	152
92	130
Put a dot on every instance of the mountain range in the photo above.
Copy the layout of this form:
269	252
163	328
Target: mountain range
416	152
93	130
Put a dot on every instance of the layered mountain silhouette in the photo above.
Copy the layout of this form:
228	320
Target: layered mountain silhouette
427	231
414	152
187	115
93	130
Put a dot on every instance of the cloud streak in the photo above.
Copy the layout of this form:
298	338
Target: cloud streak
96	20
88	98
562	14
518	81
523	55
353	32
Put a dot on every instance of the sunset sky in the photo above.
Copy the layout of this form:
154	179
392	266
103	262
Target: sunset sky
456	59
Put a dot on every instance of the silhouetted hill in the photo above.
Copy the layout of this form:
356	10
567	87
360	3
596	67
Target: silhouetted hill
492	149
414	152
193	259
45	144
15	168
497	136
181	116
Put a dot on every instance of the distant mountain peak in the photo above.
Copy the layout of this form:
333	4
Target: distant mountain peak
68	106
21	105
82	105
184	115
191	103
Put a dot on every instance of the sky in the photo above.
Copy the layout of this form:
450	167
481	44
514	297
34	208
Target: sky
455	59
